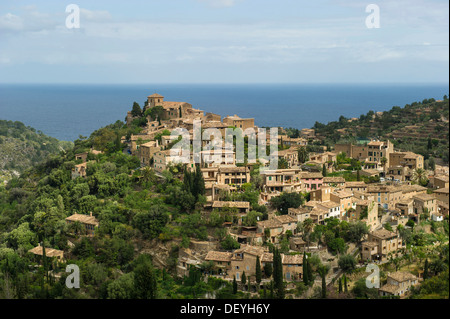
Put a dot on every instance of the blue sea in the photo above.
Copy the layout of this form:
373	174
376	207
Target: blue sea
67	111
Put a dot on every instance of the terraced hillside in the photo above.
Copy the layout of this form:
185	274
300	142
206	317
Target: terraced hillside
422	127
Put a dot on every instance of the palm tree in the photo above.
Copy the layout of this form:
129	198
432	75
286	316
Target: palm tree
383	163
147	175
419	176
308	225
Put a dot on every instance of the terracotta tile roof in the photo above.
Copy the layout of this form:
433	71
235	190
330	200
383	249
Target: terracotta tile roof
401	276
218	256
84	219
343	193
375	143
424	197
383	233
284	219
392	289
233	169
355	184
292	259
329	204
336	179
220	204
442	178
267	257
49	252
370	243
442	190
307	175
172	105
155	95
298	211
411	155
271	223
251	250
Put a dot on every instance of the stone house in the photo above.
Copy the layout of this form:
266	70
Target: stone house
386	196
281	180
440	182
238	122
146	152
79	170
398	284
58	255
311	181
244	259
334	182
221	261
356	186
442	194
425	202
379	244
89	222
300	214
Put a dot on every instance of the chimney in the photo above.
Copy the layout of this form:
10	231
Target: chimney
90	214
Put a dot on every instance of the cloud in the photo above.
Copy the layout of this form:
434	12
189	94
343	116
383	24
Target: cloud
11	22
94	16
219	3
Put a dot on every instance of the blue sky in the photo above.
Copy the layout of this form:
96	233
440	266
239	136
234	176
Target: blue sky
224	41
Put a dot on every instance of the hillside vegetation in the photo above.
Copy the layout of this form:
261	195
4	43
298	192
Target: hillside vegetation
22	146
421	127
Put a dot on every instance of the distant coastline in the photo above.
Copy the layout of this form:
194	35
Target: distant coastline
67	111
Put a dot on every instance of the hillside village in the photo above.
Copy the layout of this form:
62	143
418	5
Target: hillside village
305	230
394	200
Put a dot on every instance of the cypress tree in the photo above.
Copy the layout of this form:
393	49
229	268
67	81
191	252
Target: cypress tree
188	181
358	176
310	273
44	260
324	170
305	270
234	285
425	270
244	279
198	187
345	284
278	274
324	284
258	272
340	285
271	295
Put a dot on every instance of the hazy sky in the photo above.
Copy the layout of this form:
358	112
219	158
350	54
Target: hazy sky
224	41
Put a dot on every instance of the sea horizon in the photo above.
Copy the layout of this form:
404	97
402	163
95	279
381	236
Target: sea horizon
67	110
